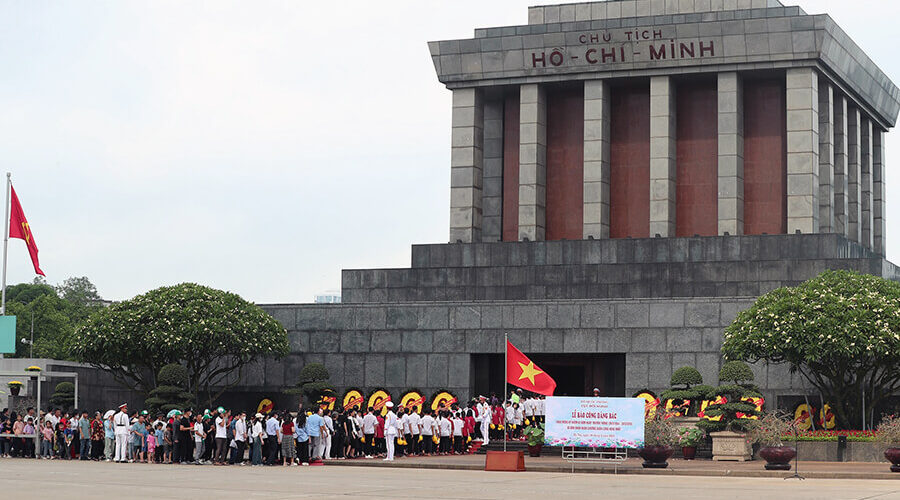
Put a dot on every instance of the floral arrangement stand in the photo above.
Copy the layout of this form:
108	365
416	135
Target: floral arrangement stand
505	461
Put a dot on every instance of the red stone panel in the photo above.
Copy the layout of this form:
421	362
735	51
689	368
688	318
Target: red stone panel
629	210
565	164
696	186
510	216
765	157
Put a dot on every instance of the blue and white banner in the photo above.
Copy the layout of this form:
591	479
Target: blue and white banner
595	422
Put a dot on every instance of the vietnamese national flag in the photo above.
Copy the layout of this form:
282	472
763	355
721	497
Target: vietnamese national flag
18	228
522	372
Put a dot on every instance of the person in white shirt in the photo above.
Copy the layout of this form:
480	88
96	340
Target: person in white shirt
541	409
403	429
458	424
257	437
484	414
121	422
390	430
221	426
326	439
414	447
240	438
445	427
528	408
368	427
426	428
199	439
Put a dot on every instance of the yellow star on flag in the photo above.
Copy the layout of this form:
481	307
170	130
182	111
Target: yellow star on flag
529	371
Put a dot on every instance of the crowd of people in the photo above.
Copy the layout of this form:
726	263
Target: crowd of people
222	437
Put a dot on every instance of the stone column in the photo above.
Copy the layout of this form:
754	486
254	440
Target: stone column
662	156
802	150
865	181
854	196
596	159
532	162
492	209
466	158
841	224
878	207
826	157
731	154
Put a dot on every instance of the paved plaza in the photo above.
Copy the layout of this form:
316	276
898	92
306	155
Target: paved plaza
52	479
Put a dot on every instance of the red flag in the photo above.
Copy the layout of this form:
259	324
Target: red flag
18	228
522	372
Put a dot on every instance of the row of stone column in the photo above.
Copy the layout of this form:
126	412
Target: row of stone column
835	161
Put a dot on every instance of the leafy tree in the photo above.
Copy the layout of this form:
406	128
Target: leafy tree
213	334
170	394
63	395
79	291
839	330
736	380
313	383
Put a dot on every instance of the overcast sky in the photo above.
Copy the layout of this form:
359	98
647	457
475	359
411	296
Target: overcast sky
254	146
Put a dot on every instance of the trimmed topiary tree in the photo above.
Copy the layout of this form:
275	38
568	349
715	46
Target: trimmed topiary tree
63	395
682	393
312	383
736	380
171	393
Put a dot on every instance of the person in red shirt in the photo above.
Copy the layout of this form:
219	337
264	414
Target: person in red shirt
498	418
379	435
288	450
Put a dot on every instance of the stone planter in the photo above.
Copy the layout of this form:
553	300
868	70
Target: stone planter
893	456
655	457
733	446
778	457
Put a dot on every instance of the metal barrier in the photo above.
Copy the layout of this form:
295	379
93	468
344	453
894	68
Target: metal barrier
613	456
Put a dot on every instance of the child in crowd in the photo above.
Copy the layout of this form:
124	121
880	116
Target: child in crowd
63	439
168	444
47	442
458	424
159	435
151	444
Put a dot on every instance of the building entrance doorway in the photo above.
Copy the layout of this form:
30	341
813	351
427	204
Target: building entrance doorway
575	374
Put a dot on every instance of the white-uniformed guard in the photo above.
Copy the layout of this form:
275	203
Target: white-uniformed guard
121	426
390	430
484	413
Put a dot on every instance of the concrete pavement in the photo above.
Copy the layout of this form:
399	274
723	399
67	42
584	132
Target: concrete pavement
73	479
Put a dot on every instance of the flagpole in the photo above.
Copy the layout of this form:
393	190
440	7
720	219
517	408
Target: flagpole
5	245
505	374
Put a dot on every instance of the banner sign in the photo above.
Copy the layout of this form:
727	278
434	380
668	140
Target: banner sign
8	334
595	422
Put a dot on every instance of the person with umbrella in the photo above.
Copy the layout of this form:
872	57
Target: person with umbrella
109	434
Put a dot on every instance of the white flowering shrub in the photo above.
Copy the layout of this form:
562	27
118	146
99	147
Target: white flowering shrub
839	330
212	333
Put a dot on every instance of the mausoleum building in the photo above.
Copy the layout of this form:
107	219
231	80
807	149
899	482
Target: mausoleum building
625	176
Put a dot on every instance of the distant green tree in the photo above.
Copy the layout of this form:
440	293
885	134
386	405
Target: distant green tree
312	383
79	291
170	393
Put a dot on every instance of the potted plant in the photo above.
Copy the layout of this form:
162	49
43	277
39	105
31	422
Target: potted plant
534	433
728	417
659	436
33	368
769	431
888	431
14	387
688	439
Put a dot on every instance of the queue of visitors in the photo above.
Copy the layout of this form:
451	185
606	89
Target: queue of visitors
223	437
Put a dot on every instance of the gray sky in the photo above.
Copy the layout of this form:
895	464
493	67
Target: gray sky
254	146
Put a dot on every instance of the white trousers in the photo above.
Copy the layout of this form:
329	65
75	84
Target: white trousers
389	442
485	431
121	447
327	453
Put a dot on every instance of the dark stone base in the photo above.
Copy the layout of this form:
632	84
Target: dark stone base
895	468
778	466
655	465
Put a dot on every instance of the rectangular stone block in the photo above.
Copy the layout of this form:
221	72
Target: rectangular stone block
666	314
632	315
437	373
374	376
